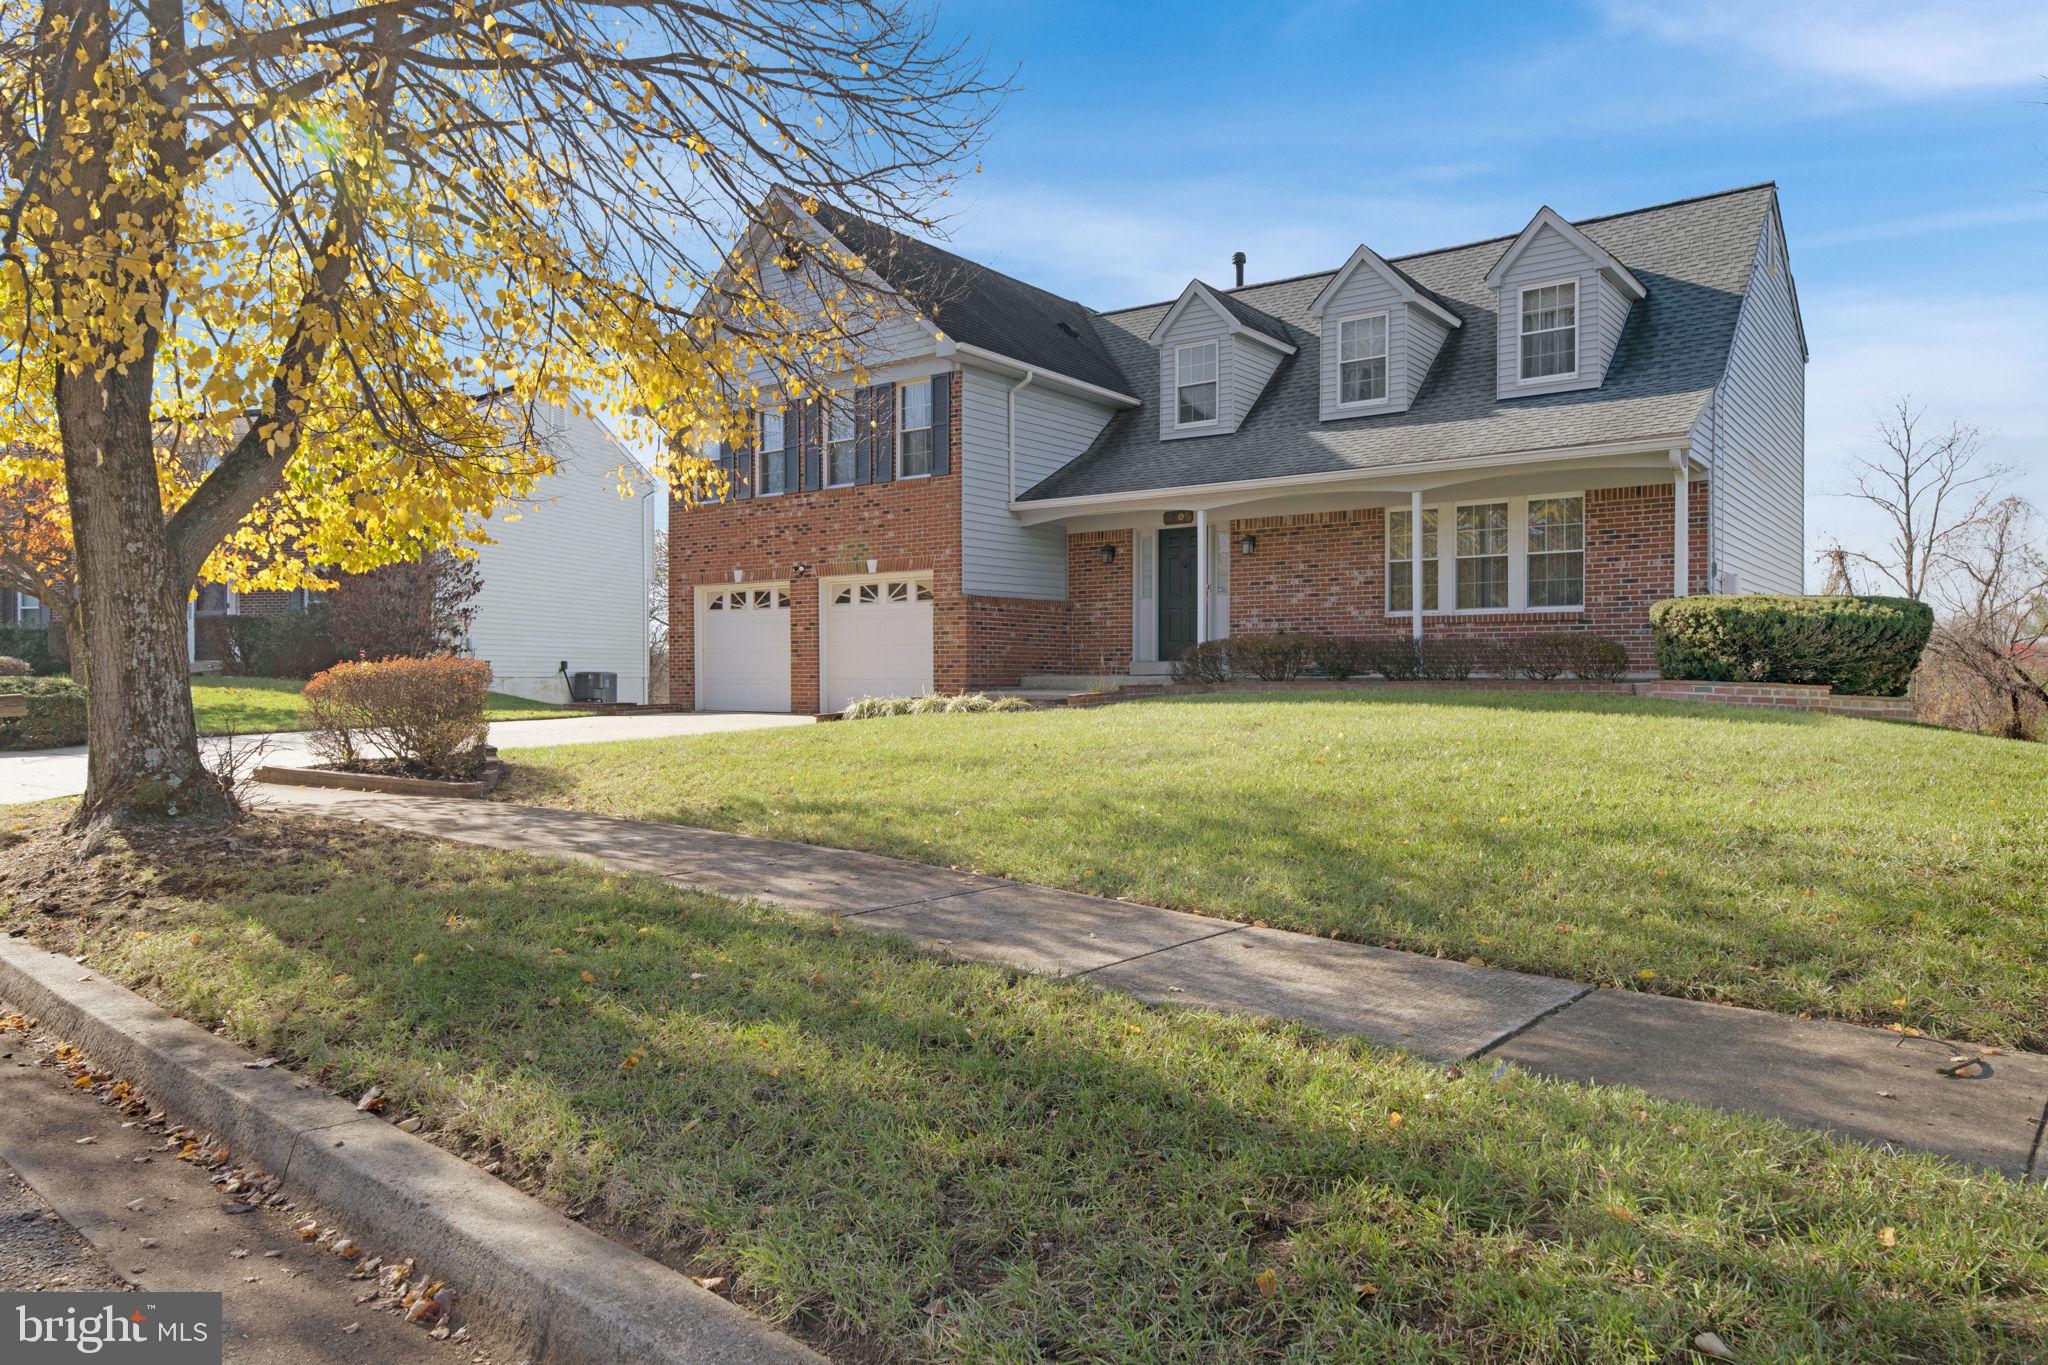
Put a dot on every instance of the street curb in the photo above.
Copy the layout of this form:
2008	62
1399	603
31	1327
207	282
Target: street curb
576	1297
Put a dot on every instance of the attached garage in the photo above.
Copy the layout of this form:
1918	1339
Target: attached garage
877	638
743	648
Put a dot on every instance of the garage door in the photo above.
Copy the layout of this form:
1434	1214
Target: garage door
878	639
743	649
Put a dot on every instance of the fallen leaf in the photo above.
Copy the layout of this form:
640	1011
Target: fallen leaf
1711	1346
1366	1290
714	1283
1268	1283
372	1099
1394	1119
352	1329
1887	1236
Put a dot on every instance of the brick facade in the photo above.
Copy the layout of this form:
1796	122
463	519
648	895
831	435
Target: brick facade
1101	594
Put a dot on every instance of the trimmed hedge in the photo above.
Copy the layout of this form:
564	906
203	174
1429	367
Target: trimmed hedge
1282	658
293	644
30	644
426	714
56	714
1859	646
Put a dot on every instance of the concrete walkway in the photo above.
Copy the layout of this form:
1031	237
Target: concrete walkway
45	774
1860	1083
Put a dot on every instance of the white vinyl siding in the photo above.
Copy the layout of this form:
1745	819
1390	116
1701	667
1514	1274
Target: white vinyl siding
1752	437
565	572
1197	388
1000	557
1362	360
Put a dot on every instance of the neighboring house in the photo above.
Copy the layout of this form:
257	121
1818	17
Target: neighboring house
563	576
19	609
1584	418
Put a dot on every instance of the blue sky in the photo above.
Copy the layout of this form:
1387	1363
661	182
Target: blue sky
1146	142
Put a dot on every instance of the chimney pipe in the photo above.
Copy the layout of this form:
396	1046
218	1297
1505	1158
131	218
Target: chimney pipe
1237	259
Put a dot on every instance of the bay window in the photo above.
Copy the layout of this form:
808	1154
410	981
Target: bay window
1504	554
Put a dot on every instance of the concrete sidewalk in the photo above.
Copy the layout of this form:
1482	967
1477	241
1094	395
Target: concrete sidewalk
1861	1083
45	774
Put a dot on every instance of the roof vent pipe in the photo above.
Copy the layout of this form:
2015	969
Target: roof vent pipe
1237	259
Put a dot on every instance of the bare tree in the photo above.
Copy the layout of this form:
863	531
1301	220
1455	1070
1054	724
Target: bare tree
1995	587
1933	488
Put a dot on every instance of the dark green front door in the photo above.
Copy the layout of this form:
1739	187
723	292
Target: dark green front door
1178	597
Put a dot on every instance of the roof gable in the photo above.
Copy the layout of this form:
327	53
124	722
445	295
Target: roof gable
1238	319
1366	258
1546	217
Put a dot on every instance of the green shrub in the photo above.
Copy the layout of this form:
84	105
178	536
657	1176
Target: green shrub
1861	646
33	646
56	714
1208	662
1340	658
1454	660
295	644
1269	658
931	704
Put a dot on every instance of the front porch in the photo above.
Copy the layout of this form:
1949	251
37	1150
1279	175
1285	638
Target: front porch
1558	546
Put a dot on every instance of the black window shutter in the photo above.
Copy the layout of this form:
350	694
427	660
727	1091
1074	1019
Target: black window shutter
792	447
881	431
721	455
942	423
864	451
813	415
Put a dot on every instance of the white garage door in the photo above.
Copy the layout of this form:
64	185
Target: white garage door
878	639
743	649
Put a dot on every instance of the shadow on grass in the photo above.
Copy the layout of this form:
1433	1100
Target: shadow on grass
859	1132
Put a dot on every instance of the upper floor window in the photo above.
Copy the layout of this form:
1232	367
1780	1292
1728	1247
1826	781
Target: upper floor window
770	451
1557	552
1482	555
1362	359
1401	560
839	468
1195	384
914	431
1550	331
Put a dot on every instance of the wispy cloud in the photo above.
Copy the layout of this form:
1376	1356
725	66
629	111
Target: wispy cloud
1906	47
1927	224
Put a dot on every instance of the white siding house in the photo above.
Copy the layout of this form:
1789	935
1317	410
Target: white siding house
566	570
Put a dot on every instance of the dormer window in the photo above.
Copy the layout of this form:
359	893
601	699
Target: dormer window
1362	359
1550	331
1195	384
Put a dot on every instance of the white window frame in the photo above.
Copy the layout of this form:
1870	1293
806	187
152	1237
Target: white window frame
761	451
903	392
1215	381
1430	511
1529	552
833	411
1578	329
1385	357
1518	557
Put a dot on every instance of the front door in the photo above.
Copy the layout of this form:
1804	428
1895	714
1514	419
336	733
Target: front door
1178	596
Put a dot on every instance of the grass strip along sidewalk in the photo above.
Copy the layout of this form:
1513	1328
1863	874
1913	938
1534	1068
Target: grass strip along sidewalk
1882	874
244	706
911	1159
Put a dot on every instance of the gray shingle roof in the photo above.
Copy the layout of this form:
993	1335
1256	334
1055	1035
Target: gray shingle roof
1693	256
982	307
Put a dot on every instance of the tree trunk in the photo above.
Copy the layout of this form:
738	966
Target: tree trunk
143	751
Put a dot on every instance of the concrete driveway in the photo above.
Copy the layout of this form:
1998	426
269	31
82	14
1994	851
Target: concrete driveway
41	774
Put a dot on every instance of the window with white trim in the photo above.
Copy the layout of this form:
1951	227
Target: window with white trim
839	470
913	430
1195	386
1557	552
1362	359
770	451
1401	560
1550	331
1482	566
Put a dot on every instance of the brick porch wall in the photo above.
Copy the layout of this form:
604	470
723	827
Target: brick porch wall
1100	620
908	526
1008	637
1325	573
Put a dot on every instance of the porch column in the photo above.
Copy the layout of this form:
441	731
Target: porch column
1681	525
1415	558
1202	604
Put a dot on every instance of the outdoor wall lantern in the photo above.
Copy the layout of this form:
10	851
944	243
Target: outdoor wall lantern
1247	543
799	571
739	575
1109	554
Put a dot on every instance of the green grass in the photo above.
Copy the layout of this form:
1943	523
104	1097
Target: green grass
1874	872
910	1159
243	706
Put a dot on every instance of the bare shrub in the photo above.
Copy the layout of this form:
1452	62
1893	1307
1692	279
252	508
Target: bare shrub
426	715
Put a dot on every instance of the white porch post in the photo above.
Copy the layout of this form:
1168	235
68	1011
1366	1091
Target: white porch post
1202	575
1681	525
1415	557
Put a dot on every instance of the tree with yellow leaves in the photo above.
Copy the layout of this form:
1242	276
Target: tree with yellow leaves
350	250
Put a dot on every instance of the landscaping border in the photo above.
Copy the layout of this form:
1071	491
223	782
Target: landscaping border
494	773
575	1296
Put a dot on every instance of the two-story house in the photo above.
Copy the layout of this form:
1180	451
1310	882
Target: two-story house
1544	432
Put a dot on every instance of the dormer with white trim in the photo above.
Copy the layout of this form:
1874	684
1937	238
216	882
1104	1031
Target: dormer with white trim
1380	334
1563	299
1215	356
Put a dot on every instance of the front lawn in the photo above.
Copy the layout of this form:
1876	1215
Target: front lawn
241	706
1873	872
909	1159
